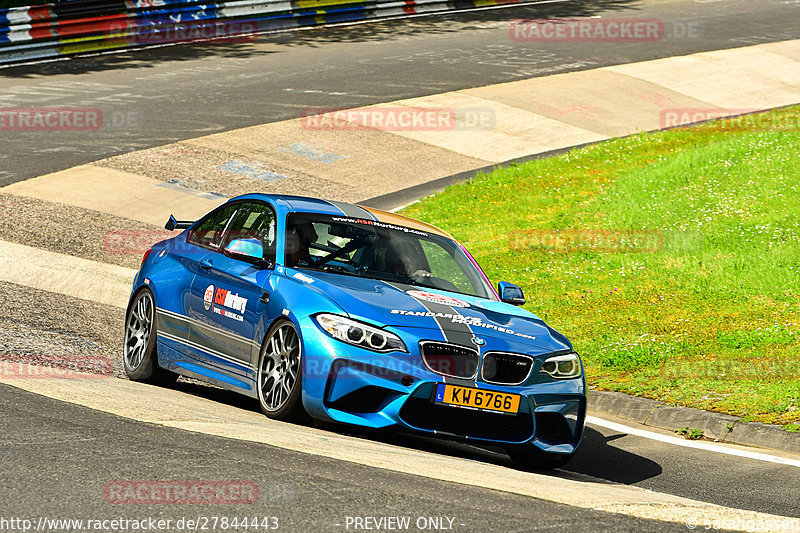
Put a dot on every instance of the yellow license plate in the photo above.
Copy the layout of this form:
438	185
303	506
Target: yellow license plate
477	398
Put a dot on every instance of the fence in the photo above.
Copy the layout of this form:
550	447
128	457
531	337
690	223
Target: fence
79	26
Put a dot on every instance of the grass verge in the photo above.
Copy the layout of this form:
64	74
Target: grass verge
670	259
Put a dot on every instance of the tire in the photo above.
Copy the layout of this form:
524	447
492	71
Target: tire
140	359
533	459
280	376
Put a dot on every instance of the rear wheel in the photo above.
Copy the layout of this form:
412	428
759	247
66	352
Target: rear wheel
280	374
140	359
530	458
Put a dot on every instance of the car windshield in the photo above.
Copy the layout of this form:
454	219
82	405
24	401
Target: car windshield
377	250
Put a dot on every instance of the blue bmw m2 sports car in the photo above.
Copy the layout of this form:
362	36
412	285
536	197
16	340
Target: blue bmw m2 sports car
353	315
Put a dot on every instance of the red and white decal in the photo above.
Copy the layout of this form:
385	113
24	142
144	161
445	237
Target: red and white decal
208	297
437	298
215	298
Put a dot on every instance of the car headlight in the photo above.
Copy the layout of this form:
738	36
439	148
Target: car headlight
566	366
360	334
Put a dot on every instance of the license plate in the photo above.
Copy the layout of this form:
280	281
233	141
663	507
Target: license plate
480	399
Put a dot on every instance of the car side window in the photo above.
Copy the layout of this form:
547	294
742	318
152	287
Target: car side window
254	220
209	232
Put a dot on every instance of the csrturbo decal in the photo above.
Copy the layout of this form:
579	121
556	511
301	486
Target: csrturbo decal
218	299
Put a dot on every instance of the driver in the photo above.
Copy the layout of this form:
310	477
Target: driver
298	239
402	266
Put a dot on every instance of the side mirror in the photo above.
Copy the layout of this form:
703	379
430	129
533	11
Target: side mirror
245	249
510	293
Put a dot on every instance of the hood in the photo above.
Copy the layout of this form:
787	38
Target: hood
459	317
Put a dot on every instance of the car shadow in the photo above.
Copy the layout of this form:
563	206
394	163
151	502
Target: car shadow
596	457
311	37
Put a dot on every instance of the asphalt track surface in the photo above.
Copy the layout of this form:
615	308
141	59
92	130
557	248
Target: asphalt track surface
305	492
57	457
168	94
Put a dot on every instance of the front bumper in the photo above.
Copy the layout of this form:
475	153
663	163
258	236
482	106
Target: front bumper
350	385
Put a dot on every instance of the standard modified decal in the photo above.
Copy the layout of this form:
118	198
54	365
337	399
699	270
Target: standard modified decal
437	298
471	321
218	299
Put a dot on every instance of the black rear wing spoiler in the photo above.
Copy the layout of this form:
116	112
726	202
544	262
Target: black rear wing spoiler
177	224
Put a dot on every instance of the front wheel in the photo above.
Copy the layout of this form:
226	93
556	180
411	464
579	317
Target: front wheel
530	458
280	374
140	359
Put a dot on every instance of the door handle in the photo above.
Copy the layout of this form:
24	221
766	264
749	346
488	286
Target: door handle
206	263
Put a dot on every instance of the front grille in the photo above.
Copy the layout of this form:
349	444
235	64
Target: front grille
450	359
424	414
506	368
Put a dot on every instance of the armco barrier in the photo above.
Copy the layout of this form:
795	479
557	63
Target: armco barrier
72	27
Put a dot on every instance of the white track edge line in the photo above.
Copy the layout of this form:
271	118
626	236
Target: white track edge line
706	446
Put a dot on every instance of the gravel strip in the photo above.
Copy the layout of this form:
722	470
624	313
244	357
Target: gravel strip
65	333
76	231
55	330
198	168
